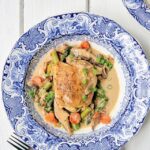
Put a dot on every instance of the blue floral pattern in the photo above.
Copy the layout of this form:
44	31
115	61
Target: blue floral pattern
73	26
140	11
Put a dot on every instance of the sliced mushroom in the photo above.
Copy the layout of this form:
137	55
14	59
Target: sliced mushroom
105	71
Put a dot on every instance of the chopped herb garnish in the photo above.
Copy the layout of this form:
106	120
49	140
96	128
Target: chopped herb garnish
95	71
49	97
109	65
65	54
102	104
93	89
84	97
85	71
84	81
75	126
31	93
101	60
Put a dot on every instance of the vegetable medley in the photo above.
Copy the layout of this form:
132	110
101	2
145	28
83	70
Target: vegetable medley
70	90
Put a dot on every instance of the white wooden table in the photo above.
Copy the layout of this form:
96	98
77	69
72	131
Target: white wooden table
17	16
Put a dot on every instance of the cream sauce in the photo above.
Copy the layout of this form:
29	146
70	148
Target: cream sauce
112	89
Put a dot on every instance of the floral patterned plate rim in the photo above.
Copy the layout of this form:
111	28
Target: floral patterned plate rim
69	27
140	10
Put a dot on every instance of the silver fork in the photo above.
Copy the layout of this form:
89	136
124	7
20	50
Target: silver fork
16	142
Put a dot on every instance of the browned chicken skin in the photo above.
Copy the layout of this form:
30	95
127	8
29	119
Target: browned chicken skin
69	89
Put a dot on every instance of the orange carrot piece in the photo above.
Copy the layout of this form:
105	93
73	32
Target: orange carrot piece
50	117
37	81
104	118
85	45
75	118
96	115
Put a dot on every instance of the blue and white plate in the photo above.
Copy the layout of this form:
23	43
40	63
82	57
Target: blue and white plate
140	10
132	67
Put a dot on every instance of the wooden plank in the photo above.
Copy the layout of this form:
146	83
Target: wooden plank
9	24
37	10
9	33
115	10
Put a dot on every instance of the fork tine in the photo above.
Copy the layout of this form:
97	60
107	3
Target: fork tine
20	141
21	145
18	148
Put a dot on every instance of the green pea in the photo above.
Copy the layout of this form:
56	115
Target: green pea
109	65
84	81
95	71
75	126
102	61
85	71
31	93
84	97
50	97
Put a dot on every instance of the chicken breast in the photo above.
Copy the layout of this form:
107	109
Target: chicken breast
69	89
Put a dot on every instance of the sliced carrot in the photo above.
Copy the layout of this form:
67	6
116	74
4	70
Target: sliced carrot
50	117
37	81
85	45
75	118
104	118
96	115
55	122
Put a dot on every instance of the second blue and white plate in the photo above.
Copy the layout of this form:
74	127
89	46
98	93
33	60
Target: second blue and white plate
140	10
